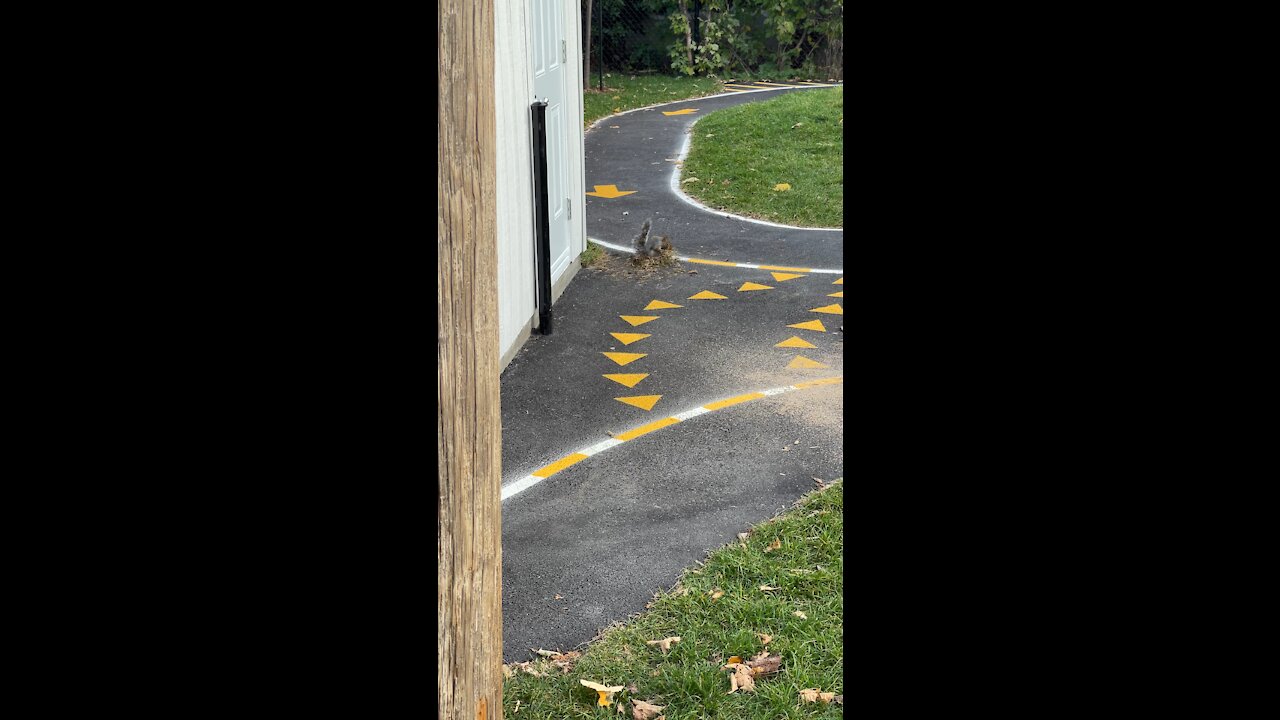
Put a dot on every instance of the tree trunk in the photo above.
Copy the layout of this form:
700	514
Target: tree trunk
586	56
688	31
468	423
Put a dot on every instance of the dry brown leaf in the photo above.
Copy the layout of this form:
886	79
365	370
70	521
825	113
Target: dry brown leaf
782	187
559	597
621	710
527	667
816	695
565	661
744	536
644	710
740	679
665	643
765	638
632	688
800	615
506	672
717	594
768	588
775	545
733	659
605	693
839	699
765	664
545	653
819	482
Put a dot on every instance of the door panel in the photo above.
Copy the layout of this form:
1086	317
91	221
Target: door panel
549	77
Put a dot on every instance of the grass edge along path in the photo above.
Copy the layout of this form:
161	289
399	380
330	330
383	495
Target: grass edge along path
780	160
778	590
628	92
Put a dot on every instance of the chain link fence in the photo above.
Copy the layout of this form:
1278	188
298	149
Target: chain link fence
760	39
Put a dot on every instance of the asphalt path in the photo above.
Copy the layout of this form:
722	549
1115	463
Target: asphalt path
606	533
633	151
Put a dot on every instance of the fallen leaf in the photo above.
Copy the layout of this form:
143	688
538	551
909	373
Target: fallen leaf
644	710
797	442
800	615
665	643
711	134
689	180
621	711
632	688
606	693
740	679
786	449
513	712
826	697
768	588
793	127
506	672
818	482
717	594
765	664
809	695
546	653
693	272
839	699
565	661
765	639
782	187
526	667
616	97
559	597
734	659
775	545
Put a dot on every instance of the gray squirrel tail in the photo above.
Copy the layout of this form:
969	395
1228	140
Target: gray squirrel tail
639	242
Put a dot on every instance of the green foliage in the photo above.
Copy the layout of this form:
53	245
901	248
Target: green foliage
773	38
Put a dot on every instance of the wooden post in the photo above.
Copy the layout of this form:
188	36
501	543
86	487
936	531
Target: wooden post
468	422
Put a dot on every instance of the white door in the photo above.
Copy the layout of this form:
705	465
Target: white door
549	56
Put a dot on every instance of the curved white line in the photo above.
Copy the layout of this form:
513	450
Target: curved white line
675	188
529	481
701	97
629	251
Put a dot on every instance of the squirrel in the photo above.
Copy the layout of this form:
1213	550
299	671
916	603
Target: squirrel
650	246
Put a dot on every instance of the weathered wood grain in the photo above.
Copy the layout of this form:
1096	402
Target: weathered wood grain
468	422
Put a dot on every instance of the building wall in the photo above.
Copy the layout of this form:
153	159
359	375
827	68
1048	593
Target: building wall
513	88
513	93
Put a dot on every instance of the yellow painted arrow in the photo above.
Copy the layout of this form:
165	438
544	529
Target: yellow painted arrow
610	191
644	402
810	325
629	379
686	111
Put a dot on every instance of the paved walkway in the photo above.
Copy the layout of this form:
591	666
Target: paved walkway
670	409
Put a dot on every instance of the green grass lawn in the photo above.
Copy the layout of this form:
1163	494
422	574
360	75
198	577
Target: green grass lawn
740	154
806	574
624	92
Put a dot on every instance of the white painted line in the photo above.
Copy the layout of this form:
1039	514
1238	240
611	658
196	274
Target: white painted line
703	97
631	251
601	446
529	481
520	486
675	188
690	413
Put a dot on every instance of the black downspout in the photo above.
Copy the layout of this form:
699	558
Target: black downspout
542	221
